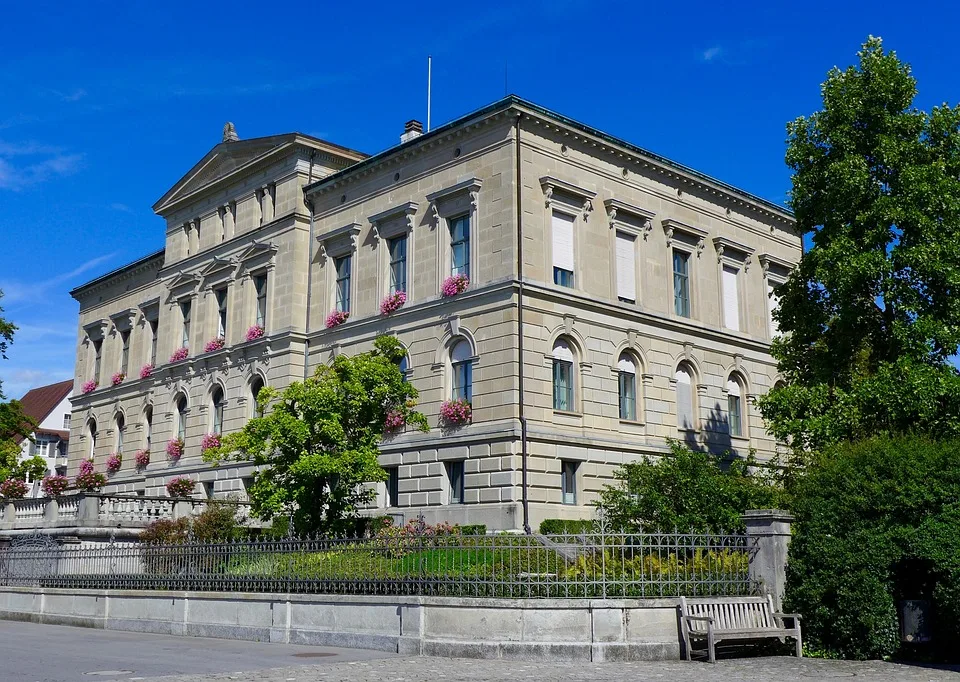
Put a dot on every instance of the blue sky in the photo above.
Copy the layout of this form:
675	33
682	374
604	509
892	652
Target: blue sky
103	106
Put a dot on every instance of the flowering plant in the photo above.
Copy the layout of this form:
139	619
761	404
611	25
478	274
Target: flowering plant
146	371
395	420
455	412
337	317
88	479
181	486
53	486
214	344
89	386
13	488
142	458
175	448
210	440
113	463
180	354
415	534
393	302
453	285
118	378
254	333
86	466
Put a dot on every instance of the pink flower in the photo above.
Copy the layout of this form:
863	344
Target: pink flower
180	354
255	332
455	412
54	486
142	458
86	466
181	486
175	449
13	488
337	317
394	421
393	302
89	480
146	371
210	440
113	463
118	378
456	284
214	344
89	386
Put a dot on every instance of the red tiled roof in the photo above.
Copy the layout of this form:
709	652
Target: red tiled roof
62	435
39	402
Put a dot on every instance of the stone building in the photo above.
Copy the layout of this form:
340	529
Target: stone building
616	299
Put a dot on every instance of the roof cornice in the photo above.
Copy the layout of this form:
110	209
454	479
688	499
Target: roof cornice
154	260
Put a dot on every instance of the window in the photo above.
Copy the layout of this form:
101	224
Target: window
97	359
260	285
255	387
92	434
66	422
393	486
627	377
182	418
217	401
731	298
684	399
734	407
221	295
562	249
153	341
185	328
462	365
125	351
562	377
568	481
148	424
455	479
121	424
460	246
626	268
404	365
398	263
344	266
773	302
681	283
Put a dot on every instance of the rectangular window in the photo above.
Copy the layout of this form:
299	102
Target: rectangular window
154	324
66	422
731	298
626	268
260	285
563	385
97	359
344	266
460	246
455	479
185	328
628	396
125	351
773	302
562	227
221	295
733	412
398	264
393	486
568	481
463	380
681	283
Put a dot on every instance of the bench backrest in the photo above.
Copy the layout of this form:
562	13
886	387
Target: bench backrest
730	613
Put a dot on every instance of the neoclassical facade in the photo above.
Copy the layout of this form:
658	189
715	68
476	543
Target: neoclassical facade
615	300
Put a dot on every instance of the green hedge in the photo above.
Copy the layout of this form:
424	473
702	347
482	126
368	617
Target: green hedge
565	526
473	529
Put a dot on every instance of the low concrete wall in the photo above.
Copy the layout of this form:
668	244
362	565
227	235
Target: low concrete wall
568	629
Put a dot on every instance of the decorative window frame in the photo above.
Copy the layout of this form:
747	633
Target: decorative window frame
552	185
447	204
639	226
697	393
774	271
260	258
336	244
390	224
644	381
698	235
581	367
747	398
735	255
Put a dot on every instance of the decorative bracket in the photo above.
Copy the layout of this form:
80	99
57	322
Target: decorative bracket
616	209
671	226
551	185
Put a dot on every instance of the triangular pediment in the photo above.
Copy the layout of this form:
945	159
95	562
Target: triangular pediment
255	249
216	265
184	279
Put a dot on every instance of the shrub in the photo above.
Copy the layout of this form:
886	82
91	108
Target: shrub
180	354
14	488
218	522
175	449
393	302
336	318
89	480
181	486
565	526
114	462
455	412
454	285
142	458
876	522
166	532
214	344
473	529
253	333
54	486
89	386
400	540
209	440
117	378
146	371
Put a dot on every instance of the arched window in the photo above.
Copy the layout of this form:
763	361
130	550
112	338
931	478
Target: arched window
217	402
182	417
563	375
92	434
404	365
462	365
255	387
148	425
120	423
685	408
627	378
735	405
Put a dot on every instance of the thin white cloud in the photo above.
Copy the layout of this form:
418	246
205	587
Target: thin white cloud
25	164
35	292
712	53
123	208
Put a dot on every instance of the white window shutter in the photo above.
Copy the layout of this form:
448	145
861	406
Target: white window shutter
626	267
774	302
684	400
731	299
563	241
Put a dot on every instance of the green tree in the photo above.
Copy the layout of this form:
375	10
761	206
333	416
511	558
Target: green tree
15	426
689	490
871	316
318	440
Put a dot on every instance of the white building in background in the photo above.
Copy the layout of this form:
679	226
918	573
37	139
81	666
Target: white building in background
49	406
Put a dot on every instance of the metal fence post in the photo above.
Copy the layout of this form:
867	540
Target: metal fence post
769	529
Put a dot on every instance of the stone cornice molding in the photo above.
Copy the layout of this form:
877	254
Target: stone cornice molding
470	186
671	226
767	260
96	329
723	245
550	184
151	262
406	211
616	209
123	320
340	241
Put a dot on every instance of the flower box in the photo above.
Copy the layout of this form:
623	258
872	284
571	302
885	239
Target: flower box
180	354
175	449
117	378
393	302
394	421
146	371
336	318
181	486
456	284
210	440
89	386
255	332
114	462
86	466
214	344
54	486
13	489
142	458
455	412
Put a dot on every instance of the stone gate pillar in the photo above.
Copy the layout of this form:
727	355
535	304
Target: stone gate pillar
770	531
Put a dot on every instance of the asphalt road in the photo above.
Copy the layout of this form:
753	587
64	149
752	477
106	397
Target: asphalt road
54	653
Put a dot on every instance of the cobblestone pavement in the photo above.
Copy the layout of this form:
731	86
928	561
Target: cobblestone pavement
468	670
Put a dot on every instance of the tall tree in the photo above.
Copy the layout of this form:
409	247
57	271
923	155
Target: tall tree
871	316
7	329
318	440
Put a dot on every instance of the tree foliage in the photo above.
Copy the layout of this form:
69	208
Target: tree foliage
871	316
15	425
7	329
688	490
318	440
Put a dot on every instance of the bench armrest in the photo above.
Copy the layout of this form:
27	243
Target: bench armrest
795	616
706	619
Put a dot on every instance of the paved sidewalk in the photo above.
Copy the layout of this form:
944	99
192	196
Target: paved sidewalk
451	669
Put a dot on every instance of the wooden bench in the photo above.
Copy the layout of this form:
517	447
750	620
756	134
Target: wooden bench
724	618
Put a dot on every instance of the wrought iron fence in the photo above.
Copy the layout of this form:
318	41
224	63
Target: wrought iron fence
517	566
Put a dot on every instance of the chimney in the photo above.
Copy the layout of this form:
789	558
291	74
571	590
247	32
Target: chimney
411	130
